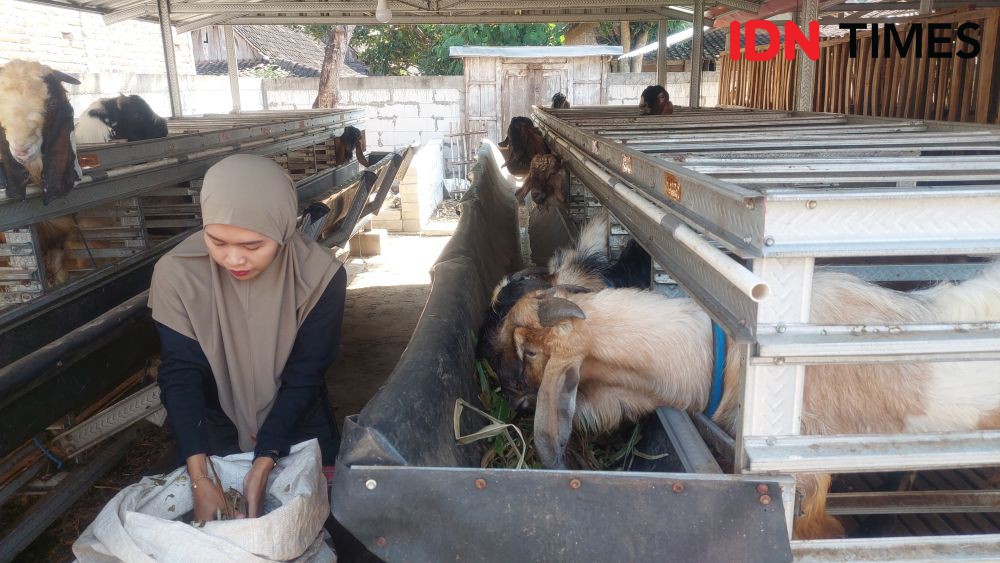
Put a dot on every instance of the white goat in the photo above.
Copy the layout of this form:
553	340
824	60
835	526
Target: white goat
599	358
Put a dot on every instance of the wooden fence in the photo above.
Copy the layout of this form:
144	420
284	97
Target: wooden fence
949	89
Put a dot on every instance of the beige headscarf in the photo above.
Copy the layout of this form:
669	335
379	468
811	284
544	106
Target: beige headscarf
246	328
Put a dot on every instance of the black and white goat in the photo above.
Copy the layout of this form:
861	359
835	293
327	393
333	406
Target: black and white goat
124	117
584	265
36	130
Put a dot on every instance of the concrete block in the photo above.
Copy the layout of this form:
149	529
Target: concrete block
452	96
370	243
411	210
439	110
415	124
397	110
411	225
391	226
390	214
369	97
413	95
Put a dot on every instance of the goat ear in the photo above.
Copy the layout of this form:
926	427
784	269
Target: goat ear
551	310
17	176
554	410
59	173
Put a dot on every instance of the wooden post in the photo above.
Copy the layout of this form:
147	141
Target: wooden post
234	69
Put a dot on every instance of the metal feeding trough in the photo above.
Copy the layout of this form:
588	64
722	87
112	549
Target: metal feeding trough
409	492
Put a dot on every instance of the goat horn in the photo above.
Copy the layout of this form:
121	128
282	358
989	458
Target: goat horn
555	309
63	77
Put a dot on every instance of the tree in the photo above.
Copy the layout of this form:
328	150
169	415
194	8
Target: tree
633	35
424	49
337	40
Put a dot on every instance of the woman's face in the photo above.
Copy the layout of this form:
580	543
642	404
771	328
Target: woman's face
243	252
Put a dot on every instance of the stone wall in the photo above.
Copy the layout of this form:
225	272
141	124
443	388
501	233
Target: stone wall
624	87
75	41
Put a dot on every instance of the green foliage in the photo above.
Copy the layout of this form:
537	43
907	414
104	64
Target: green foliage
609	33
424	49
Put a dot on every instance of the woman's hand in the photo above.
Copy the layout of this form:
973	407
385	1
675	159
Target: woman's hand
206	497
207	501
255	485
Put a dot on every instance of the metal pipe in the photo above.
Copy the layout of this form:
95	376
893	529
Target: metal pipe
697	40
233	66
744	280
661	53
169	57
395	5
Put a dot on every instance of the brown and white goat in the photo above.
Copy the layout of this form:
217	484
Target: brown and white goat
36	130
546	182
601	358
655	100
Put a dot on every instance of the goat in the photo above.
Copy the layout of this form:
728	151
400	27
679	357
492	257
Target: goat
351	140
559	101
523	142
584	265
36	130
546	182
121	118
655	100
600	358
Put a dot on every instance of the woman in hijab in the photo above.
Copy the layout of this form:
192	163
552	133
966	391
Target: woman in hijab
249	314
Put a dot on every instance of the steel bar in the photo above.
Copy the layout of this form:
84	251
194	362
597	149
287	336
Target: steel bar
142	178
169	57
913	502
661	53
57	502
232	66
804	66
869	453
394	5
458	18
684	437
697	54
191	25
938	548
869	344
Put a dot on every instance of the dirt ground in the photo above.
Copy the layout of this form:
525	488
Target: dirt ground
385	297
384	301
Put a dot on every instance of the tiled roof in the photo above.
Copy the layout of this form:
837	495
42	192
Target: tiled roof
294	53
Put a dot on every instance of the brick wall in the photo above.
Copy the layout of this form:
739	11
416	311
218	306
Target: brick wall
624	87
402	110
74	41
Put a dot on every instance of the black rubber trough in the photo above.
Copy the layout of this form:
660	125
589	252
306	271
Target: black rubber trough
409	492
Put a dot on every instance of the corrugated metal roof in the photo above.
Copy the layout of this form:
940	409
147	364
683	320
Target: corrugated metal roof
535	52
193	14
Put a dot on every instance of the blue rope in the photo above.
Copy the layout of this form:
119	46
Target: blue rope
48	454
718	369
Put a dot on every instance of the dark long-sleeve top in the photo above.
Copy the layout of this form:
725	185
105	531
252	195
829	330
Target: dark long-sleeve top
187	386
